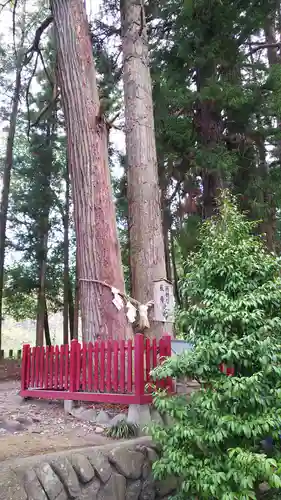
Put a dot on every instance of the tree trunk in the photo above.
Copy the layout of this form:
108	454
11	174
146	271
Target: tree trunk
42	267
6	185
71	312
147	253
46	325
66	260
99	257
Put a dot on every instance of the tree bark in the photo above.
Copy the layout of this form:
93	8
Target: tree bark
66	260
71	312
147	253
42	267
6	185
99	257
46	325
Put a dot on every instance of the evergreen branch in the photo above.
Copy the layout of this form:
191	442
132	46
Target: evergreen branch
45	69
45	109
14	27
262	46
3	5
35	45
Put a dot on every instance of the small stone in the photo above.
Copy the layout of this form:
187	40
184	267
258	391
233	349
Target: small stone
133	490
82	467
27	421
90	492
146	470
121	417
114	488
86	415
66	473
148	489
100	463
33	487
49	480
102	418
99	430
11	426
152	455
128	463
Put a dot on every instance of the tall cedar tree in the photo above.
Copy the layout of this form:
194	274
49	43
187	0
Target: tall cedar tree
99	257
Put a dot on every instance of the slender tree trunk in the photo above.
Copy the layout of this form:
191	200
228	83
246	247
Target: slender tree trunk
71	311
147	252
66	261
99	257
42	267
6	186
175	271
46	325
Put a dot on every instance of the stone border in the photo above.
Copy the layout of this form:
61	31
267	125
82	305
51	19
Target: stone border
120	471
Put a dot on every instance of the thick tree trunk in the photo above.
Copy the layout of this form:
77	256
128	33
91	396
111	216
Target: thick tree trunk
147	253
99	257
42	267
6	186
66	261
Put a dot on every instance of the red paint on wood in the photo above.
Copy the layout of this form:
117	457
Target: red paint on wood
154	353
147	360
96	366
42	359
37	367
24	367
87	396
102	366
90	367
139	367
58	372
122	366
72	371
115	365
56	379
78	366
129	366
46	367
66	367
32	374
51	368
108	365
84	366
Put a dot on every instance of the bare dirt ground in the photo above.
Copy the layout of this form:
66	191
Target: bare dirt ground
33	427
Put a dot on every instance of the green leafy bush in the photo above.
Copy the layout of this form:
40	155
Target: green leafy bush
232	292
122	430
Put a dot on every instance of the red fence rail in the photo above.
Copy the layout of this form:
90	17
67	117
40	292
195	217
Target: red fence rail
112	371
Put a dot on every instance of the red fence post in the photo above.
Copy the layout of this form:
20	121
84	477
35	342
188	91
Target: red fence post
139	368
72	374
24	365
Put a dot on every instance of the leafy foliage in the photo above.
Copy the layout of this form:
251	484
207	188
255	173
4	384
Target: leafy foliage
122	430
232	315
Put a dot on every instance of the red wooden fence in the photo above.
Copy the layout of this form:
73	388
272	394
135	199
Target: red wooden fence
112	371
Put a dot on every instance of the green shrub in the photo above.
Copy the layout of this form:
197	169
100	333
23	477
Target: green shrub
232	292
122	430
